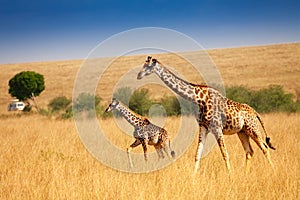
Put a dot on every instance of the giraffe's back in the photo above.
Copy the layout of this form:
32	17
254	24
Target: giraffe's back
239	116
149	132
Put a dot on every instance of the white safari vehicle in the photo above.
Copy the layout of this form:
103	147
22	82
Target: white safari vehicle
16	105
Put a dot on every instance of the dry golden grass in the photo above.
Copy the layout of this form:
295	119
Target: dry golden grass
45	159
42	158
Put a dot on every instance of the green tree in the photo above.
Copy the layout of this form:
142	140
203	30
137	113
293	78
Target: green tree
26	85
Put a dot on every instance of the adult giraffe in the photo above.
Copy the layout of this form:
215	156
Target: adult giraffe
216	114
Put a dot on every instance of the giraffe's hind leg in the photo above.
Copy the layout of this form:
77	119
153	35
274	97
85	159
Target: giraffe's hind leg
256	136
144	144
159	151
168	151
244	138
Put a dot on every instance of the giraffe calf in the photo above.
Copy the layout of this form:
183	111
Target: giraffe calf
145	132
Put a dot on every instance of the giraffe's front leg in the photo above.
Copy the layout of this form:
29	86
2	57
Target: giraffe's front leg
202	138
135	144
220	139
144	144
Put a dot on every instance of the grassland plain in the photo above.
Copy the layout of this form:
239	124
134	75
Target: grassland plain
253	67
42	158
45	159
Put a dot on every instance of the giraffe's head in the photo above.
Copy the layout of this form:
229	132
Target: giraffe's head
112	105
147	67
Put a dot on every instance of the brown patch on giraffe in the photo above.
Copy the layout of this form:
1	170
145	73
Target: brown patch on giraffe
190	92
181	84
168	76
146	121
209	106
172	81
201	95
204	90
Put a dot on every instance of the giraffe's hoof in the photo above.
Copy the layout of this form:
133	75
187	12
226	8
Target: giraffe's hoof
173	154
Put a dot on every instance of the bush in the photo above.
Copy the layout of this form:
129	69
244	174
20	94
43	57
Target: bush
123	94
175	106
86	102
68	113
140	102
45	112
240	94
271	99
59	103
187	107
171	105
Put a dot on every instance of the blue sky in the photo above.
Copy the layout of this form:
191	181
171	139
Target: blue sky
69	29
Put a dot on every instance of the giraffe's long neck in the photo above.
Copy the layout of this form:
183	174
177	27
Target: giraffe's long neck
175	83
133	118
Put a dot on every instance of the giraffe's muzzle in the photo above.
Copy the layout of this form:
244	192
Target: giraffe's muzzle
140	75
107	109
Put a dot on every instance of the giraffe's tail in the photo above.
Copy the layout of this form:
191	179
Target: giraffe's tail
270	145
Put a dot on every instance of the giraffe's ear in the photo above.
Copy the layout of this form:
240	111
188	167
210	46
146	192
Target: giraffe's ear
148	58
146	121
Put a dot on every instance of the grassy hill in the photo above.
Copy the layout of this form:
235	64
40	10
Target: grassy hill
255	67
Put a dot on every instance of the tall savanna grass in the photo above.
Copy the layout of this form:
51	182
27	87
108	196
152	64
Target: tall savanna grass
42	158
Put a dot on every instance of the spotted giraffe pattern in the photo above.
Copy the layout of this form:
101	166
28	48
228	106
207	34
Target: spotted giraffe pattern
144	131
216	114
